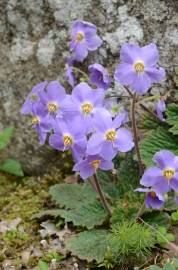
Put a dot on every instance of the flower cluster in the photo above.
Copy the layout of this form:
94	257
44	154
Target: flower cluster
80	123
161	179
91	126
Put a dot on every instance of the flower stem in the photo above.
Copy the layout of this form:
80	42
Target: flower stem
170	245
149	111
81	72
134	126
140	211
101	194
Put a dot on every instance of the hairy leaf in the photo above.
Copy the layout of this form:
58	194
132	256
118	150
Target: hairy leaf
5	137
89	245
12	167
72	195
45	213
157	140
172	118
87	215
157	218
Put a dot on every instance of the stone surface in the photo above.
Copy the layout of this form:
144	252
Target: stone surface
34	41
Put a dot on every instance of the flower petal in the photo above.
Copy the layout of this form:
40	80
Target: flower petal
124	140
155	75
95	143
165	159
107	151
151	177
106	165
129	53
125	74
150	54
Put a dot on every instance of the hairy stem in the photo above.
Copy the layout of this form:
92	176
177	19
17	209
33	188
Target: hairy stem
140	211
170	245
81	72
101	194
149	111
134	126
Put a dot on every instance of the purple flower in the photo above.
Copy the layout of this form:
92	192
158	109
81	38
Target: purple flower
91	164
109	138
160	107
33	97
152	199
41	122
99	76
53	98
165	176
138	67
69	136
84	39
70	77
84	102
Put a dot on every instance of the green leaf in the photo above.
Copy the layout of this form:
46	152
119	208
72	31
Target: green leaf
157	140
45	213
86	215
154	267
89	245
172	118
107	184
165	236
174	216
169	266
5	137
12	167
70	195
148	122
43	265
157	218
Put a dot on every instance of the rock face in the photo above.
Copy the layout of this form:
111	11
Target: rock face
34	42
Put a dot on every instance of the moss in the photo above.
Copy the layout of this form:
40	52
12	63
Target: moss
22	198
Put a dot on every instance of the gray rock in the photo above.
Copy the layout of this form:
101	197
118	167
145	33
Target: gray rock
34	41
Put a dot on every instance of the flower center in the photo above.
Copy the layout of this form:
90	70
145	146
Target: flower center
80	36
67	139
168	173
35	120
95	164
153	194
86	108
33	97
110	135
139	67
52	107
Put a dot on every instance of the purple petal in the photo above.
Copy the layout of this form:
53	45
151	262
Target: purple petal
107	151
162	186
124	142
151	177
81	52
93	42
155	75
153	202
56	142
102	120
174	182
106	165
165	159
142	189
120	119
129	53
150	54
55	91
125	74
84	169
95	143
141	83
